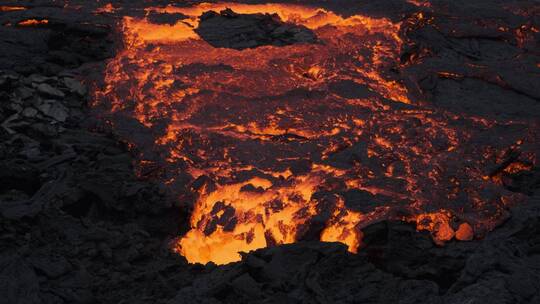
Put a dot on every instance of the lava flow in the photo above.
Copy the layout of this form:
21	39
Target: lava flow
312	140
33	22
4	8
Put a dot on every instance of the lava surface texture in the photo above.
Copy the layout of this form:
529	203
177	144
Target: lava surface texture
298	123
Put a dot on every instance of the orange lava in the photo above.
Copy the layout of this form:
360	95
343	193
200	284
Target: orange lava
283	143
464	232
33	22
106	9
4	8
420	3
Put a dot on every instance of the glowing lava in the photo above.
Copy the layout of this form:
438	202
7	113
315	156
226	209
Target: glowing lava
302	141
33	22
106	9
4	8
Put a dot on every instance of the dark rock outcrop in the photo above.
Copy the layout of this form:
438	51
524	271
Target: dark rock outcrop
228	29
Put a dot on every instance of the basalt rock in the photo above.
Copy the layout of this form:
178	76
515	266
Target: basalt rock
228	29
165	18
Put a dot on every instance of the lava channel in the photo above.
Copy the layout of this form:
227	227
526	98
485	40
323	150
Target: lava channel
274	144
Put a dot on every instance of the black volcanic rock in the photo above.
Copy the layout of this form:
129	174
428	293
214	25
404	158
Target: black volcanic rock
164	18
228	29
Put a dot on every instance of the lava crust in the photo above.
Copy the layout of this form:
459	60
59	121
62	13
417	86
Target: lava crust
298	141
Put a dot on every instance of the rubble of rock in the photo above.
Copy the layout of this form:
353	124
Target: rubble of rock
228	29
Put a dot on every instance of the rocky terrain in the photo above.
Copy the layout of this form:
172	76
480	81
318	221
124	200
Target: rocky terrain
78	225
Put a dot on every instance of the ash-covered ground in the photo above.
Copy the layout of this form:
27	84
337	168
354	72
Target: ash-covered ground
81	224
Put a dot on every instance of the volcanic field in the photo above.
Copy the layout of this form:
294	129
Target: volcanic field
270	152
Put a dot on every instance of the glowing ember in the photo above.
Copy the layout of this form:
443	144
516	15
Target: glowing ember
420	3
12	8
33	22
106	9
302	141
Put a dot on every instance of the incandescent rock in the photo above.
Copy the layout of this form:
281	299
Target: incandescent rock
464	232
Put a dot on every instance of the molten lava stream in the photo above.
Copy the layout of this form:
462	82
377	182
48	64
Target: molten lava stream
302	141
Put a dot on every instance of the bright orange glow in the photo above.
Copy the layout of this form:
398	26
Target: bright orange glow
4	8
107	8
283	143
33	22
420	3
342	227
256	221
464	232
438	224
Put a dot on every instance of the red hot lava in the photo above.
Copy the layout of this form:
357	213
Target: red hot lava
4	8
33	22
306	140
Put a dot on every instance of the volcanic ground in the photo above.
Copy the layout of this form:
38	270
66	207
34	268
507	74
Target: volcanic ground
256	152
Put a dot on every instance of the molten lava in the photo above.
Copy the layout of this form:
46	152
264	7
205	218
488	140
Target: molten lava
33	22
310	140
106	9
4	8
